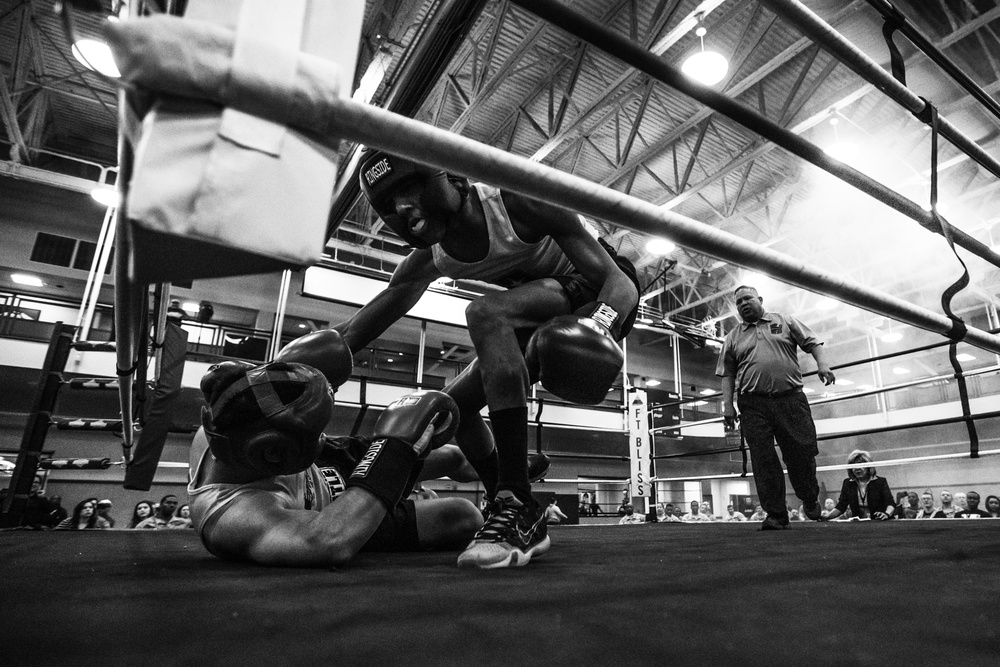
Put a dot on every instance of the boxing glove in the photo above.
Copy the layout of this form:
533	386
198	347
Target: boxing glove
406	418
325	351
574	358
384	470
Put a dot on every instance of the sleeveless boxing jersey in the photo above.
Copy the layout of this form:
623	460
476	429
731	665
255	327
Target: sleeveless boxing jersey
312	489
510	261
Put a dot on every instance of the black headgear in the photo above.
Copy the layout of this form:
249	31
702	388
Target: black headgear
381	173
270	418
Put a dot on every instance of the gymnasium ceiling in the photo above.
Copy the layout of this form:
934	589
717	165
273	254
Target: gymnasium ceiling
504	78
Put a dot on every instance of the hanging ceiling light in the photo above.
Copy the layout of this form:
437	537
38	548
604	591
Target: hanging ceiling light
845	151
96	55
705	67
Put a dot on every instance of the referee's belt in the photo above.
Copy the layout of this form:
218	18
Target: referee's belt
771	394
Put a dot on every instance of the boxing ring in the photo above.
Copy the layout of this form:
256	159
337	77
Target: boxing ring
849	593
706	594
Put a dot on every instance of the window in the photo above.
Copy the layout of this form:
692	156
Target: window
52	249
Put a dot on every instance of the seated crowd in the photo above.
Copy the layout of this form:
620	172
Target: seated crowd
44	513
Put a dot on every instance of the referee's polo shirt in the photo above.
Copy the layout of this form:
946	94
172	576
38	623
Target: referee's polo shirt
763	357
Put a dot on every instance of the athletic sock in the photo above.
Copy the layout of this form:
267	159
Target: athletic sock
488	469
510	432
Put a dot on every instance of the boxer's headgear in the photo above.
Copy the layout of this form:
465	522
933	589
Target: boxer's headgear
382	173
270	418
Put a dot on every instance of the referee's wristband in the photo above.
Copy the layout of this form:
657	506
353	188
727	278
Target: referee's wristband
384	470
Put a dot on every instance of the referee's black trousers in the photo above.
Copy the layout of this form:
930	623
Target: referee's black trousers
787	420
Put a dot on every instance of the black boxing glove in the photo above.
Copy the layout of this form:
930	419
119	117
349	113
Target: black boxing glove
325	351
384	470
575	358
406	418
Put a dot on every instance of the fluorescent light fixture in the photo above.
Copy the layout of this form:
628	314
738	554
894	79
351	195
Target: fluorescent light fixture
652	382
27	279
826	303
697	403
302	325
965	357
644	320
845	382
899	370
892	337
190	307
808	390
660	246
96	55
106	196
706	392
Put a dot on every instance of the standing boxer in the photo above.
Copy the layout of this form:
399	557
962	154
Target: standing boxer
562	283
267	486
759	367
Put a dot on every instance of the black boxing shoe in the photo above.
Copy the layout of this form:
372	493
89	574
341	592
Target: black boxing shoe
538	467
511	537
813	512
774	523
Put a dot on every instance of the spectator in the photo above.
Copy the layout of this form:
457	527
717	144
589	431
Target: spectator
163	514
961	502
143	510
733	515
947	510
585	504
37	508
553	514
927	508
630	516
623	508
695	514
595	509
182	519
828	506
900	503
104	511
661	513
706	509
84	517
912	504
972	510
57	512
671	514
993	506
758	514
867	494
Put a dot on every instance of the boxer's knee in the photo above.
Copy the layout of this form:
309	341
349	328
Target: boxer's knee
485	315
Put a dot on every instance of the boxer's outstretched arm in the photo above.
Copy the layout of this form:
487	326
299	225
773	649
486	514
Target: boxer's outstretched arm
261	528
408	283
